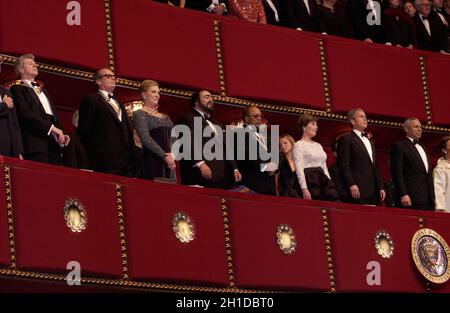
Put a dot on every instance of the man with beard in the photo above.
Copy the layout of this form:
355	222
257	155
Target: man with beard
199	169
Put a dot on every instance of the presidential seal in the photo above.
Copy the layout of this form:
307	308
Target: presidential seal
183	227
75	215
286	239
383	244
431	254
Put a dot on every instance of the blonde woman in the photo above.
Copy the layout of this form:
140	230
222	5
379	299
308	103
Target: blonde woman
289	186
153	129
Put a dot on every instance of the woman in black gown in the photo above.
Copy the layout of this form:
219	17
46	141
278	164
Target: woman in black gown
289	186
153	129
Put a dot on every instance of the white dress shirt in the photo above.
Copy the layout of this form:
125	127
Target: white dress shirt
422	153
43	99
114	104
366	142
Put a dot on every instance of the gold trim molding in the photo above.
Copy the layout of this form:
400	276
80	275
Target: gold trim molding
220	69
123	243
226	227
326	234
109	35
324	68
426	91
9	209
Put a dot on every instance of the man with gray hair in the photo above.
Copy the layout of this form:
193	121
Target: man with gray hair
42	133
431	33
411	169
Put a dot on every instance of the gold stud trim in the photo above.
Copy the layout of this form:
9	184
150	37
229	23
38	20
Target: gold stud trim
125	83
125	283
327	238
324	70
226	228
426	92
109	35
10	217
220	68
123	242
421	222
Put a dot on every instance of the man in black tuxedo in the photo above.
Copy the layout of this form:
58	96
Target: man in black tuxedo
10	136
411	169
301	15
218	7
431	33
105	129
357	164
198	168
257	174
41	129
362	11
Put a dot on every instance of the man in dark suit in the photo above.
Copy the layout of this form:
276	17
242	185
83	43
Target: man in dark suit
357	164
257	174
411	169
10	136
214	171
41	129
362	11
218	7
431	33
301	15
105	129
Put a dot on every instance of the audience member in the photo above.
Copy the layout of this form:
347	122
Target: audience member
441	177
272	11
154	131
430	34
362	11
335	19
398	27
411	169
335	173
213	6
357	163
301	15
249	10
311	163
105	130
41	129
289	186
408	8
74	155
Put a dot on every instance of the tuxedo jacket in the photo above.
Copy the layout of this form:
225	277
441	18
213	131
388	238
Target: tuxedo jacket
438	39
250	165
295	15
270	14
201	5
357	168
34	122
222	169
108	141
357	14
397	31
410	176
10	135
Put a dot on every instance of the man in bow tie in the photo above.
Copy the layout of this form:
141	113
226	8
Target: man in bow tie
10	138
411	169
431	33
105	129
41	128
357	163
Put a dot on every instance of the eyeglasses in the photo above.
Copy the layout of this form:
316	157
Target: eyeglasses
111	76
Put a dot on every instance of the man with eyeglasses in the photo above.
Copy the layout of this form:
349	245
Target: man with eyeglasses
431	34
42	135
11	138
105	129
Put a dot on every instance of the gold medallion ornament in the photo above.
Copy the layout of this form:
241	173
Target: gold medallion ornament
431	254
75	215
286	239
384	244
183	227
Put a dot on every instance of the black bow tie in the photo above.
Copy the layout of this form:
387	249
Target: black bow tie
416	141
34	84
424	18
364	134
112	97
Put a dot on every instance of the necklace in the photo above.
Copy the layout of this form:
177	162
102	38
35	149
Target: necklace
151	111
